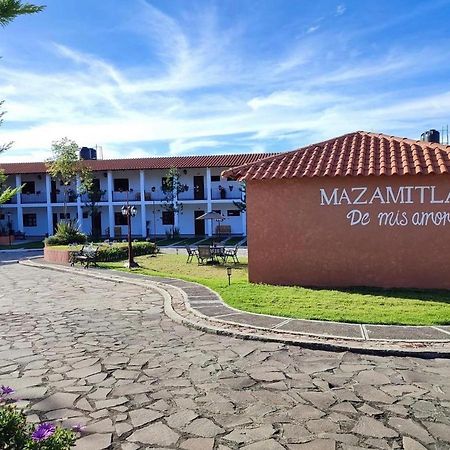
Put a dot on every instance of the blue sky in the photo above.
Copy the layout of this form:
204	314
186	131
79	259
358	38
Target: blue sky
179	77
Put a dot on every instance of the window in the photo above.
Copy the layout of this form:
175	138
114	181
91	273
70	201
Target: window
29	220
168	218
121	185
215	177
233	212
120	219
29	188
85	215
61	216
230	179
2	216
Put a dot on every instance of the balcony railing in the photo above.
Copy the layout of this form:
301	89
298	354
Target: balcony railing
123	196
85	198
156	196
226	194
33	198
191	195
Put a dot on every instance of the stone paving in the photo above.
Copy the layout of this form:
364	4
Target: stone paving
9	256
80	350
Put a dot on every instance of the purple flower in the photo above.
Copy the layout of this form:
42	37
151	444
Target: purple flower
6	390
78	428
43	431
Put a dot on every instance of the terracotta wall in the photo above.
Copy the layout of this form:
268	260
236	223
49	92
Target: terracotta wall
293	240
57	256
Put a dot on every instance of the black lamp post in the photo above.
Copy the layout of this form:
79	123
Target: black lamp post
129	212
229	275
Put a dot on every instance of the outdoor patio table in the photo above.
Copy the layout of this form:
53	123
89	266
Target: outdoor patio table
218	252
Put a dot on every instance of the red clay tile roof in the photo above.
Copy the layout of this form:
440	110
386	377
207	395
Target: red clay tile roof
182	162
354	154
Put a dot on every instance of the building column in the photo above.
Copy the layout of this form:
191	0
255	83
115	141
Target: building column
208	201
143	208
110	205
48	190
244	222
176	218
19	204
79	206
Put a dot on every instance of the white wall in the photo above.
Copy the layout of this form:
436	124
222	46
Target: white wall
41	219
234	221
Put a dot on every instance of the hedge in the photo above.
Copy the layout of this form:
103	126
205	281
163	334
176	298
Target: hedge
120	252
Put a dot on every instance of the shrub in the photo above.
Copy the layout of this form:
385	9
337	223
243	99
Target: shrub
120	252
67	232
16	434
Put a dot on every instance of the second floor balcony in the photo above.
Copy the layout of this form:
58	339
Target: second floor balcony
97	197
38	197
226	193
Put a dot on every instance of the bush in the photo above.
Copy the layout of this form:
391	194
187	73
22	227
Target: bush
67	232
120	252
17	434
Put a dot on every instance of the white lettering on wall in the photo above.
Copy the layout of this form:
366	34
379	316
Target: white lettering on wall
402	195
356	217
387	195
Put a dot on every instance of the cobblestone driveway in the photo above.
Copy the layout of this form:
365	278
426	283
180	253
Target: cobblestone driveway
103	354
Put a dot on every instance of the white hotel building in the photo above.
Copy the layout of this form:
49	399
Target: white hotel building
39	207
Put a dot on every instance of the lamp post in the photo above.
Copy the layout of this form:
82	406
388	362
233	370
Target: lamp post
229	275
129	212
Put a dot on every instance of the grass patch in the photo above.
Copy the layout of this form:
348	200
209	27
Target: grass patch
27	245
365	305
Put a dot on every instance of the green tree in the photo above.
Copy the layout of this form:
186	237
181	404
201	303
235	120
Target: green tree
65	167
93	195
171	188
10	10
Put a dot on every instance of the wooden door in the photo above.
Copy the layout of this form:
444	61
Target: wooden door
199	188
199	225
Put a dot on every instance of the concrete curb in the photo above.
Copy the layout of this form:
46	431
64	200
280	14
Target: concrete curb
175	296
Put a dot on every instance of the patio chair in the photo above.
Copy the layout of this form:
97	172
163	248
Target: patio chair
204	254
191	253
232	253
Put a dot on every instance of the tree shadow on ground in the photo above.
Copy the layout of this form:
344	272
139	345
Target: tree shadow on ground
432	295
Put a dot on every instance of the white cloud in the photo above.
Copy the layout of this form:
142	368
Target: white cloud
312	29
200	94
180	146
340	9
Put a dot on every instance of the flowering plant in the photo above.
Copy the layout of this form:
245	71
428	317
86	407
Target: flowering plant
16	434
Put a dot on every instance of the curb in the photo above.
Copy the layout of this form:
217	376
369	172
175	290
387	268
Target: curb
204	324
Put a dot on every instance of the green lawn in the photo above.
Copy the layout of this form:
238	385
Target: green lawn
406	307
17	245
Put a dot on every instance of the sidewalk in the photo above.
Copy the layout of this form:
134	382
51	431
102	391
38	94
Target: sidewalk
199	307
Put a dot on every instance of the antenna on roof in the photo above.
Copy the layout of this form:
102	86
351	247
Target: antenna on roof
99	149
444	135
